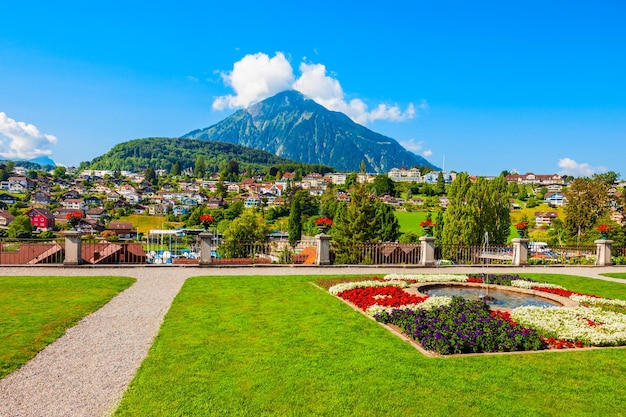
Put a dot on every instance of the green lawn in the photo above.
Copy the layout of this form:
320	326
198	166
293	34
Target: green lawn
144	224
410	221
280	346
35	311
616	275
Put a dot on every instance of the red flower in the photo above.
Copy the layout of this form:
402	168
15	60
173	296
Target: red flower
521	225
323	221
427	223
604	228
76	215
206	218
391	296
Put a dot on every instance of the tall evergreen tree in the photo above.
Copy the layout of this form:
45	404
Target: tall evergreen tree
386	223
175	171
199	168
295	218
475	210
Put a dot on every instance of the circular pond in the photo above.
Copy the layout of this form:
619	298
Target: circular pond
494	298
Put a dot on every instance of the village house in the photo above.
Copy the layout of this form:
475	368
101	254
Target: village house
215	202
40	198
337	178
93	201
555	199
96	213
5	219
41	218
402	174
123	230
8	199
76	204
545	217
21	183
531	178
252	201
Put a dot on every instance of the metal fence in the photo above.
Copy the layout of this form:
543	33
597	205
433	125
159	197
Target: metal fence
474	254
107	253
171	247
31	251
564	255
381	253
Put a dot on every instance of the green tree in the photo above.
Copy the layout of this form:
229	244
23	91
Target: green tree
243	234
383	185
150	175
386	223
199	168
59	172
175	170
440	186
587	202
295	218
351	180
20	227
475	209
366	219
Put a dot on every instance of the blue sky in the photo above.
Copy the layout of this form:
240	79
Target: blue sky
481	87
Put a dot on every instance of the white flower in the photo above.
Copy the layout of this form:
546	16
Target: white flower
595	300
344	286
427	277
519	283
592	326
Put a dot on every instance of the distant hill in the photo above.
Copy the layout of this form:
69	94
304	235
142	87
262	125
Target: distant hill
37	164
162	153
295	127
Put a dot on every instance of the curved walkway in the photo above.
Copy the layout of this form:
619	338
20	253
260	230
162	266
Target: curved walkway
86	371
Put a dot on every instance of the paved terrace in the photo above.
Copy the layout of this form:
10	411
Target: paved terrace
86	371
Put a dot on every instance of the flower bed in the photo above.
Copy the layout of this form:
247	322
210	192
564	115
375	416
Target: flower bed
446	325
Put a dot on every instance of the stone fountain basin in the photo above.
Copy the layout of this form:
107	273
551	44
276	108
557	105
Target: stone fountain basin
419	289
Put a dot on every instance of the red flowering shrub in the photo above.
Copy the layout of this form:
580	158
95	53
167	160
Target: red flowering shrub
427	223
391	296
323	221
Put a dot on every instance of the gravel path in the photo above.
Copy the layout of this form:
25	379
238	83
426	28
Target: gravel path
85	372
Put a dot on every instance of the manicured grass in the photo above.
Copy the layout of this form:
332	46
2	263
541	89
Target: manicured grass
35	311
144	224
616	275
606	289
410	221
280	346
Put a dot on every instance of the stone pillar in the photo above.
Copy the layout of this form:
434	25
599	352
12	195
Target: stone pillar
206	242
322	257
520	251
428	251
73	246
603	252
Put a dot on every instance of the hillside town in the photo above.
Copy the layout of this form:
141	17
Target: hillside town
96	198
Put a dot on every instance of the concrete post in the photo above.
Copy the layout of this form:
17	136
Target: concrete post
206	241
520	251
428	251
603	252
322	257
73	246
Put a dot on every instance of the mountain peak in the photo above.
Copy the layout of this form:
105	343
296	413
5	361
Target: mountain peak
293	126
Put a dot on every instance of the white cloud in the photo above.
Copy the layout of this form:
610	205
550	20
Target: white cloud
19	140
570	167
416	147
255	78
258	76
